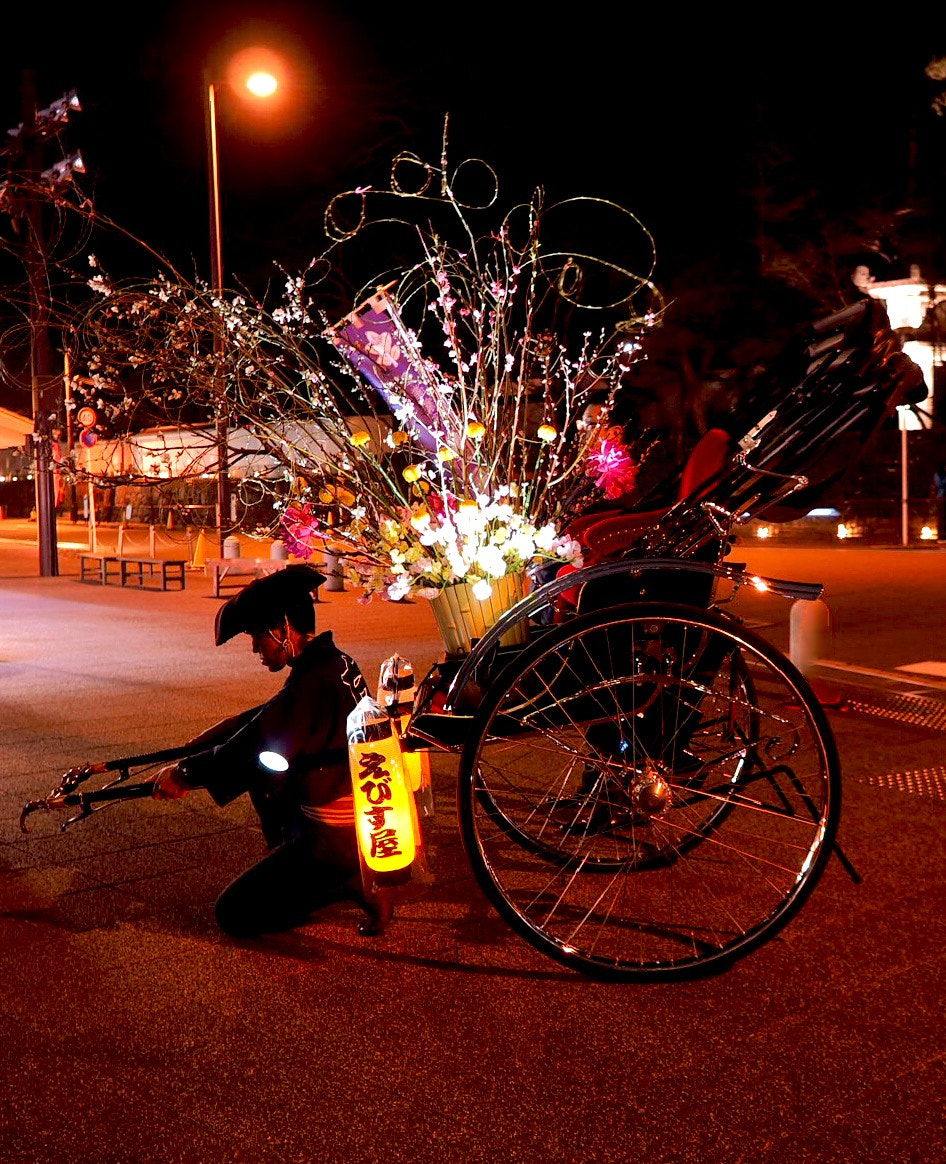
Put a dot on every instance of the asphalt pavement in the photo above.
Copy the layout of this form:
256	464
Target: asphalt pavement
134	1031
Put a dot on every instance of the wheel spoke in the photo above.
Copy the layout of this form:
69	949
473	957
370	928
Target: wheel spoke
654	790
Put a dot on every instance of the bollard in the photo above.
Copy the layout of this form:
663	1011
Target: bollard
334	573
231	547
809	630
278	552
810	639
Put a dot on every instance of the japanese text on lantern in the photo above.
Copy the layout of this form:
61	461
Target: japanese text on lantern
383	813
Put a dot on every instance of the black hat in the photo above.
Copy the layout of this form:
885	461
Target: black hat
267	601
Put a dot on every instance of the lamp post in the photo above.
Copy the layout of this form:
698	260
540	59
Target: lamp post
260	83
25	150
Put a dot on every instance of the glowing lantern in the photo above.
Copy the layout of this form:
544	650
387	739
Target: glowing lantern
384	816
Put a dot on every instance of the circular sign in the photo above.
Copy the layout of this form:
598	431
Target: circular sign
88	438
87	417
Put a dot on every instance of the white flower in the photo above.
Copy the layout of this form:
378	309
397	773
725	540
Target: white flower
522	545
482	590
490	559
399	588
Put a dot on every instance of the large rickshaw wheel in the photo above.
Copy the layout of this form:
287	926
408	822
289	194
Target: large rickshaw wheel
649	792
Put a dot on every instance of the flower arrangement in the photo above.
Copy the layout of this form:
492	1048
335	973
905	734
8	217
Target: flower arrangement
437	422
483	462
430	545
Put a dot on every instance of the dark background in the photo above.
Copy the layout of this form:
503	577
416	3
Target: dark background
671	115
810	132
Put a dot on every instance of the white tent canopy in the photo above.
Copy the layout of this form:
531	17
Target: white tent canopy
14	429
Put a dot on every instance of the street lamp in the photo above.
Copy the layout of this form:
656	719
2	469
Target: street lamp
24	148
261	82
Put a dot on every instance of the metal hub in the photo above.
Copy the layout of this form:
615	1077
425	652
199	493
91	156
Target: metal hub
650	792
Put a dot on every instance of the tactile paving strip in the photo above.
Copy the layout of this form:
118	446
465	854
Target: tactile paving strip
922	782
919	711
913	709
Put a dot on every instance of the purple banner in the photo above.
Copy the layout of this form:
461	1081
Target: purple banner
371	342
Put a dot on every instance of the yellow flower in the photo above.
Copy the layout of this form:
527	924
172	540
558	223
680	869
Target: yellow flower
546	433
398	437
412	473
445	454
468	503
360	438
475	430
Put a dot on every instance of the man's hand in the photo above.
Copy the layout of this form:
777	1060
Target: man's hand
168	784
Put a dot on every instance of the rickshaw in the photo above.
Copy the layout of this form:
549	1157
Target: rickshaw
649	790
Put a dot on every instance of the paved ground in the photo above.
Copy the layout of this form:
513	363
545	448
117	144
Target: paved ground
132	1031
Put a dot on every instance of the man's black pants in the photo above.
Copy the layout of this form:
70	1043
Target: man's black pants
291	882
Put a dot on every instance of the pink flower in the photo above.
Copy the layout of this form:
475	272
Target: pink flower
612	467
300	529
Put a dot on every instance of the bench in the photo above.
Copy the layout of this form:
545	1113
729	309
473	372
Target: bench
96	567
152	573
146	573
238	572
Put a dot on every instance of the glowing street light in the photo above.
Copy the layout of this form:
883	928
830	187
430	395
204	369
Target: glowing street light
244	70
262	84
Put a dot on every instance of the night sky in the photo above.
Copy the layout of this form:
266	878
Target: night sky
666	114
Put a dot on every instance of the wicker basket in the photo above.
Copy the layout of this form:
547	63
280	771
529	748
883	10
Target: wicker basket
461	618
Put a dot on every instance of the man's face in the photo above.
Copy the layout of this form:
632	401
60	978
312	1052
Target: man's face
270	645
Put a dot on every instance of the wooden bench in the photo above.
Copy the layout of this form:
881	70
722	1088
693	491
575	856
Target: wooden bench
238	572
152	573
96	567
146	573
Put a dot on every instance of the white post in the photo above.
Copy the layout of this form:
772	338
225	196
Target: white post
904	488
93	537
809	633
